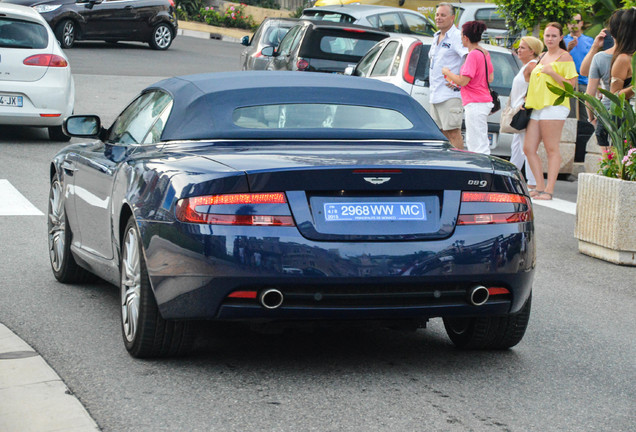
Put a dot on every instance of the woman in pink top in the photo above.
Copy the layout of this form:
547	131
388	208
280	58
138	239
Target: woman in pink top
474	88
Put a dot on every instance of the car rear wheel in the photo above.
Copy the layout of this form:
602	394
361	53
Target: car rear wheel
64	267
489	332
161	37
66	33
57	134
146	333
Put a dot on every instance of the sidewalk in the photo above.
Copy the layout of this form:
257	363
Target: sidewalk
34	398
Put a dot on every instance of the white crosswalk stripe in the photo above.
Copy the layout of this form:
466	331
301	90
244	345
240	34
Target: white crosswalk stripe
13	203
557	204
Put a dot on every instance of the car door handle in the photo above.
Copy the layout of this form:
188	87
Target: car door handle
128	7
69	167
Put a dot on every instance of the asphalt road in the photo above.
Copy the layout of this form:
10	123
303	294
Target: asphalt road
574	370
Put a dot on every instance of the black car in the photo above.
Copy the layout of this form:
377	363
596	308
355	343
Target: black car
151	21
315	46
287	196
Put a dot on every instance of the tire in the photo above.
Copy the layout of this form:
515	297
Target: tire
66	32
489	333
57	134
161	38
65	268
146	334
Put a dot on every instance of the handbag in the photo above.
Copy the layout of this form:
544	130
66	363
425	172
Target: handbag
496	103
506	118
521	118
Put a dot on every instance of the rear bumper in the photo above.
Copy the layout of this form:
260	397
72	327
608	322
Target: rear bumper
53	94
193	276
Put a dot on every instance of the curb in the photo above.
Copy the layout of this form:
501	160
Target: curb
33	396
200	30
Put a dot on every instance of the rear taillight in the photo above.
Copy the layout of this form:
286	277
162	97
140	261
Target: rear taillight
412	59
258	209
48	60
352	30
512	208
302	64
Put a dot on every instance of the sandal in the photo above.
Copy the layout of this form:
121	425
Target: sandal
535	193
541	196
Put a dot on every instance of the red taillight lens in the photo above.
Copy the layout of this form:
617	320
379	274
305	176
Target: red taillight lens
495	218
494	197
412	59
354	30
302	64
48	60
243	294
192	210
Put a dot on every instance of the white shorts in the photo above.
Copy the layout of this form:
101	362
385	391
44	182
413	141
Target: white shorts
558	112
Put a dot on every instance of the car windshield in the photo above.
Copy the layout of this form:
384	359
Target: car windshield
319	116
22	34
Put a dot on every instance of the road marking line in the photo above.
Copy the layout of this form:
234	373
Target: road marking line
13	203
557	204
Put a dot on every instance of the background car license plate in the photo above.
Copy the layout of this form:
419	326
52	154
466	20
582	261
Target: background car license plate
6	100
374	211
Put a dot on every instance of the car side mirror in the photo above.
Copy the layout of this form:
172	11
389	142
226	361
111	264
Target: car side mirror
83	126
349	70
245	40
268	51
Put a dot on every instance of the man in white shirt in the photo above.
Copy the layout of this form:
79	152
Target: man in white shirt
448	51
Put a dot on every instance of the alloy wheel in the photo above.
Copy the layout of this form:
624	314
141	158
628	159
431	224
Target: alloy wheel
130	284
56	226
68	33
163	36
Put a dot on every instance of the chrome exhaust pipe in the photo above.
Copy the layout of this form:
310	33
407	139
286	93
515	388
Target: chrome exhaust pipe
270	298
478	295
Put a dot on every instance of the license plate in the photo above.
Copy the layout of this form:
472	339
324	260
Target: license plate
14	101
492	140
374	211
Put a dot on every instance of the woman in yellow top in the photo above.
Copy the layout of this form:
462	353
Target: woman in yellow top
546	122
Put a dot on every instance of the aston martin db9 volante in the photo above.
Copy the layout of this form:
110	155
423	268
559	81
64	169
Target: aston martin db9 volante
287	196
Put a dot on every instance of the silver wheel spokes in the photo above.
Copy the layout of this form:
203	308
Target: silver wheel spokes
163	36
69	33
57	226
130	285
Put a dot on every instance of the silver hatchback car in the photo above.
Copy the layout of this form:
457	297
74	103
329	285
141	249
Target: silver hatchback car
269	33
402	60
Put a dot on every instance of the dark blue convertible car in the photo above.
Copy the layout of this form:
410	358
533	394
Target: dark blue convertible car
264	197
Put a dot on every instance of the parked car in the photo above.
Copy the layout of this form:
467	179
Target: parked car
389	19
416	5
269	33
286	196
151	21
497	32
402	60
36	85
315	46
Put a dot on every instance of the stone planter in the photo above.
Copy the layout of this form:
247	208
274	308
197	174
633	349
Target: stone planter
605	218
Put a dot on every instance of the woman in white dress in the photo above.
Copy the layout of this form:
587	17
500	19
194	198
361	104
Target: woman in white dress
528	52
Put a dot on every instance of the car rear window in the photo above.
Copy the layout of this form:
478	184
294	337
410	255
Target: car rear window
340	45
319	116
22	34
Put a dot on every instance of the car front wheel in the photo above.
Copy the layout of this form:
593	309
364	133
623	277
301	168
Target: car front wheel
489	332
161	37
66	33
64	267
146	333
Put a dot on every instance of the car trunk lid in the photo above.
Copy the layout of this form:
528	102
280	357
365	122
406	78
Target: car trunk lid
369	192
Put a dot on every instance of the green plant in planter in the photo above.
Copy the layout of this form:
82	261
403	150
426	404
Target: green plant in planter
620	123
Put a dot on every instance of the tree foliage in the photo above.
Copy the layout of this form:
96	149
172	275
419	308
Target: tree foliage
530	14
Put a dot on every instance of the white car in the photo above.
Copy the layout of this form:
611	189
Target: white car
402	60
389	19
36	85
497	31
